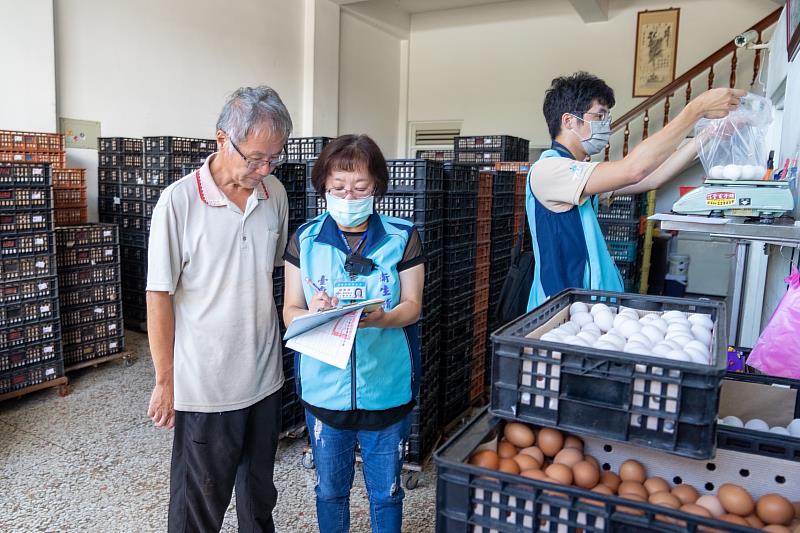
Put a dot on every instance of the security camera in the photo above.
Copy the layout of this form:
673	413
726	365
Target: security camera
748	40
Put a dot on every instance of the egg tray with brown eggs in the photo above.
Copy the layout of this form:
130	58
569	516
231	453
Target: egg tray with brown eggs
554	460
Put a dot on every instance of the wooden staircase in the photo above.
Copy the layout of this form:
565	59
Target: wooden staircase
703	72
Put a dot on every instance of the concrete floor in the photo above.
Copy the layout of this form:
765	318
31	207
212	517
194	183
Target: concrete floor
93	462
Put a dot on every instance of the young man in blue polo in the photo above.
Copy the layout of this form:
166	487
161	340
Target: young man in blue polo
563	186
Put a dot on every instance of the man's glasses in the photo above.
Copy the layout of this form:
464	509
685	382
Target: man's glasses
255	164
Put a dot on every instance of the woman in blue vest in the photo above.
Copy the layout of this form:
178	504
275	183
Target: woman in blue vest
351	253
563	186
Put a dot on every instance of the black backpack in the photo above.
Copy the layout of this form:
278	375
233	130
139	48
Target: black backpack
516	290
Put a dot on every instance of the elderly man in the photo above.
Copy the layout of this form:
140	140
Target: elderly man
216	236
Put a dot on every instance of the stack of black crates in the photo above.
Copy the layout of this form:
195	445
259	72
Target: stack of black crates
502	236
30	326
458	288
305	148
620	222
486	150
90	292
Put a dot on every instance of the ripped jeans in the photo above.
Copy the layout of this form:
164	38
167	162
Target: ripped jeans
334	456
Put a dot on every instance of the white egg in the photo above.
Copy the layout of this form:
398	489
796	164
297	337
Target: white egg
551	336
748	172
604	320
578	307
592	327
678	355
733	421
716	172
702	334
589	336
635	347
757	424
670	315
642	339
681	340
699	319
569	328
616	340
662	349
760	171
660	324
732	172
697	345
780	430
576	341
597	308
620	318
696	357
602	345
653	333
675	345
794	427
629	328
647	318
582	318
680	327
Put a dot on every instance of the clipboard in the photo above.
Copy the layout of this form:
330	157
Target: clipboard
305	323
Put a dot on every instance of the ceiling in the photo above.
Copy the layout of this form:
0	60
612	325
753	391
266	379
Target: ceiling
421	6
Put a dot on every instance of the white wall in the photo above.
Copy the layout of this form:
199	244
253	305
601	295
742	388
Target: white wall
491	65
28	86
369	82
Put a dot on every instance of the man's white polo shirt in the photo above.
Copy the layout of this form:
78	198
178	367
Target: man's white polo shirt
218	263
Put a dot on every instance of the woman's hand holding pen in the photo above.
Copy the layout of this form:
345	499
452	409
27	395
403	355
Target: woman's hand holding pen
322	302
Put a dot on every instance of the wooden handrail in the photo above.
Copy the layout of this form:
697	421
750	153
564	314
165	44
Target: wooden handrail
692	73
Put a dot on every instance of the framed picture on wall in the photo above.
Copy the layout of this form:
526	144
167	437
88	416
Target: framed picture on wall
656	50
792	27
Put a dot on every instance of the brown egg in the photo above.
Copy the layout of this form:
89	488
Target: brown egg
585	474
630	510
754	521
506	450
685	493
560	473
534	452
735	499
485	459
592	460
796	506
632	487
610	480
656	484
526	462
776	528
632	470
520	435
550	441
693	508
665	499
711	503
535	474
573	442
734	519
509	466
569	457
600	489
775	509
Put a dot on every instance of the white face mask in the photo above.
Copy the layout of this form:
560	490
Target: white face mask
349	213
598	139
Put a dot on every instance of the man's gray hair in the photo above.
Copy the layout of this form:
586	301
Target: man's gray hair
252	109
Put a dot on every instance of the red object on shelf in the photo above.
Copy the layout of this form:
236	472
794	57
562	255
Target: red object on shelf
684	190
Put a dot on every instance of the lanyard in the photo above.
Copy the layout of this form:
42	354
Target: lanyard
347	244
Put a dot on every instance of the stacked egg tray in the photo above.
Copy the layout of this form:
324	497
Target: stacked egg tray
89	274
30	326
19	147
302	148
480	335
620	223
69	196
488	150
520	180
488	481
631	389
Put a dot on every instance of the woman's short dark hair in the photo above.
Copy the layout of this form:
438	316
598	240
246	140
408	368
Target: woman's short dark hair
349	153
574	94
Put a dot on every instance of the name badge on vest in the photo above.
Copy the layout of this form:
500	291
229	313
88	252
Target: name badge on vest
350	290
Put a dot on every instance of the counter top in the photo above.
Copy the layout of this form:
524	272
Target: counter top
782	232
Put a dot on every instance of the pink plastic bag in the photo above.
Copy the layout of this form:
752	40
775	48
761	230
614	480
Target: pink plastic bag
777	351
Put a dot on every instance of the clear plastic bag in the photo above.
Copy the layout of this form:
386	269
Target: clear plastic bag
777	351
735	147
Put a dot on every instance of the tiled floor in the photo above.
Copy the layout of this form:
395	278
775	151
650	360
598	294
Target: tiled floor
93	462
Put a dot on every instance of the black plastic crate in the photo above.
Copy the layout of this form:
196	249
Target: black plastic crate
22	334
88	276
602	392
472	498
431	235
134	270
420	208
89	333
458	257
436	155
134	238
414	175
459	177
16	199
18	291
135	313
132	207
168	161
161	177
501	247
459	231
29	354
305	147
147	210
619	230
134	223
110	189
13	175
487	160
82	256
133	254
119	144
503	206
151	193
168	143
504	182
623	207
121	160
90	295
26	222
630	275
460	206
86	235
31	375
89	314
502	227
129	191
292	174
493	143
22	268
109	205
132	284
27	244
28	311
456	329
93	350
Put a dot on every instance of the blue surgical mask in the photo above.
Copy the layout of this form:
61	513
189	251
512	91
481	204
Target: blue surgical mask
598	139
349	213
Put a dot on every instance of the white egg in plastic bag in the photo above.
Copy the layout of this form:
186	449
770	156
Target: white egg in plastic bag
702	334
699	319
604	320
653	333
731	172
598	308
733	421
757	424
578	307
715	172
582	318
749	172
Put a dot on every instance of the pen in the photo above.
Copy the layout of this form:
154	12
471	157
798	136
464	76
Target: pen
308	280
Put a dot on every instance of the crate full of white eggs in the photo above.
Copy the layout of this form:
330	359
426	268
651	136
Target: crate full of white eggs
629	367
